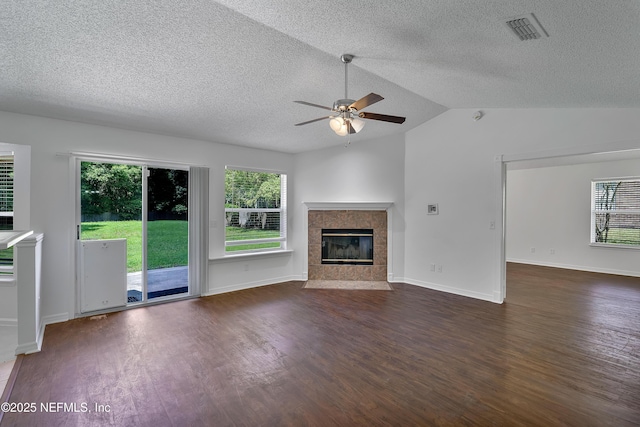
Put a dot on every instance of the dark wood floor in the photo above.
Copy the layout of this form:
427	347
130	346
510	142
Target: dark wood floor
564	349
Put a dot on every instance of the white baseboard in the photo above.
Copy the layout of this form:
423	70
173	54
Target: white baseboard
30	347
249	285
54	318
34	347
48	320
448	289
576	267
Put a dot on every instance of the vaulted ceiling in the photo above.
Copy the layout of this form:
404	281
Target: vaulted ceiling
229	71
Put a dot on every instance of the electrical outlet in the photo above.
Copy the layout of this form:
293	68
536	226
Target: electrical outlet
533	250
492	225
439	269
245	267
433	267
552	251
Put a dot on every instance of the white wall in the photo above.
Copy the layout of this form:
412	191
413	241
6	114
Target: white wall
450	160
371	171
8	304
549	208
52	201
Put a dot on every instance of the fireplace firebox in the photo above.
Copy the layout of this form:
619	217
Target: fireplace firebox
347	246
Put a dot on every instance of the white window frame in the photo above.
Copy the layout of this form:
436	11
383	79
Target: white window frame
21	196
282	239
7	270
595	210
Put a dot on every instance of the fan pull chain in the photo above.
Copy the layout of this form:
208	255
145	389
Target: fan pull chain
348	142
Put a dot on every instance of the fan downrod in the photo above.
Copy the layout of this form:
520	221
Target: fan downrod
348	109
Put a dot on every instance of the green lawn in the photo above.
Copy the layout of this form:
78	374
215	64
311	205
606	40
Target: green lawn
239	233
168	241
623	236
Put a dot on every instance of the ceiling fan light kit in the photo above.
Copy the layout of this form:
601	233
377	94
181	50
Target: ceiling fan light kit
347	115
357	124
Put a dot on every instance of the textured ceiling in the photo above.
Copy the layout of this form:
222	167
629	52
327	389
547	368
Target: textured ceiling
229	71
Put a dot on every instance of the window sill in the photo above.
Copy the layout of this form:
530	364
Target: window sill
613	246
7	281
250	255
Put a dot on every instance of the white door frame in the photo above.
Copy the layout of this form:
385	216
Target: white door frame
75	161
501	161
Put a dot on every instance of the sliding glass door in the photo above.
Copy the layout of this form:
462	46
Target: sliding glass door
147	206
167	232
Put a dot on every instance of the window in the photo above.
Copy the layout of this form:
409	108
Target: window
6	209
615	212
255	210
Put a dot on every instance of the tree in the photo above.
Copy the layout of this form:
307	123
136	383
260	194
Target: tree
168	193
245	189
605	201
111	188
252	190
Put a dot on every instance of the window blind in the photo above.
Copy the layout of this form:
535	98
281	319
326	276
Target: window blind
6	192
616	212
6	209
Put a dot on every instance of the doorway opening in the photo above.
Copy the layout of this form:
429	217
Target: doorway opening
547	218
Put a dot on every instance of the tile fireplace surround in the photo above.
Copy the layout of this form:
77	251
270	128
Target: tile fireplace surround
373	217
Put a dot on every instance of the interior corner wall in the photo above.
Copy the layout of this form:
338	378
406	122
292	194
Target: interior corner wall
549	218
53	201
451	161
371	171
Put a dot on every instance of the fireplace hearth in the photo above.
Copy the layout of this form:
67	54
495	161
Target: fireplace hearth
347	246
365	259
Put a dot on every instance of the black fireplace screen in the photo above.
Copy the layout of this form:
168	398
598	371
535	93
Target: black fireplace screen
347	246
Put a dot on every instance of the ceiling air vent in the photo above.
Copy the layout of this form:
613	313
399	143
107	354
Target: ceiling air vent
527	27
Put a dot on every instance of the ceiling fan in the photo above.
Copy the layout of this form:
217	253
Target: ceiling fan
347	112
